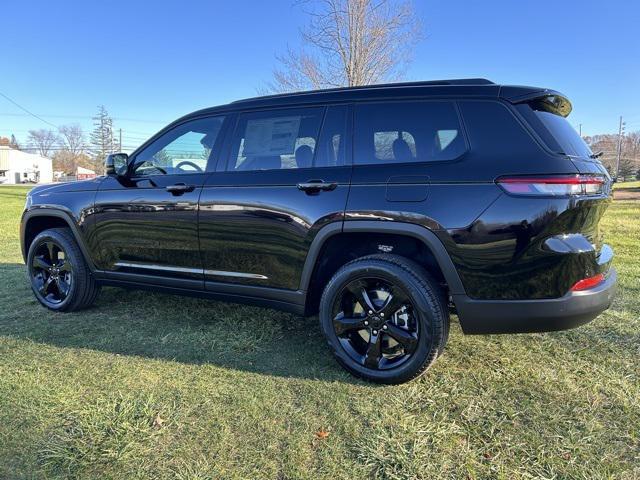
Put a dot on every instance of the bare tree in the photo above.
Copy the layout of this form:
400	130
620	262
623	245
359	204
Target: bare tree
73	139
42	141
608	145
349	43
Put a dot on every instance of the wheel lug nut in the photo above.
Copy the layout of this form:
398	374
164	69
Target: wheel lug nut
375	332
384	327
366	322
382	314
370	312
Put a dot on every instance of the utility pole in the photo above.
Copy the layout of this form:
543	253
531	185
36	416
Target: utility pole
120	140
619	152
580	129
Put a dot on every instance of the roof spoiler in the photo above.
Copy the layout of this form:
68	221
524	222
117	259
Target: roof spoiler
539	98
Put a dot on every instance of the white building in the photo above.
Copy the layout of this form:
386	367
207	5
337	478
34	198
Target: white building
22	167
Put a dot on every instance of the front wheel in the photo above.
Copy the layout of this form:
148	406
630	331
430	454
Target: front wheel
384	318
59	276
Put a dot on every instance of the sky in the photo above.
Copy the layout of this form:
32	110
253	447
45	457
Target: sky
152	62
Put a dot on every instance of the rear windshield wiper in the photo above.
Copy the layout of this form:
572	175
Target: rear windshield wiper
596	155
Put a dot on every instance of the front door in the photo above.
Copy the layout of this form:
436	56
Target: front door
284	179
147	221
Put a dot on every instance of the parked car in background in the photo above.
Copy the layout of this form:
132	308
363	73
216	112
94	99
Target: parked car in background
380	208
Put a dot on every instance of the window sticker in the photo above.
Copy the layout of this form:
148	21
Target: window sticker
271	136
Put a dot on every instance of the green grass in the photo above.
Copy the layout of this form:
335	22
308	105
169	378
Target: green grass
154	386
624	185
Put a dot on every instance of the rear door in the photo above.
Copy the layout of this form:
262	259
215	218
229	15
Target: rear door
285	176
409	166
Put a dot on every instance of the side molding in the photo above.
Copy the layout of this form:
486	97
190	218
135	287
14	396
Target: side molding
369	226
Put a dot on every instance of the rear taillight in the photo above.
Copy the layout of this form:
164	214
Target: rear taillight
553	185
587	283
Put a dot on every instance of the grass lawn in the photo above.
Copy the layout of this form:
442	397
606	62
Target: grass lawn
625	185
154	386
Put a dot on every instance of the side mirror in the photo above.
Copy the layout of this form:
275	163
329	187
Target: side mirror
116	164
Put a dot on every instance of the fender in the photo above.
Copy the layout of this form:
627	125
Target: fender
58	212
419	232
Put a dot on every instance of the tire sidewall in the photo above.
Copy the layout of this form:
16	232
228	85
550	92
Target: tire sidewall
427	341
70	256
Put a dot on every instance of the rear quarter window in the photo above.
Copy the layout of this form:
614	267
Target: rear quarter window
553	128
564	134
405	132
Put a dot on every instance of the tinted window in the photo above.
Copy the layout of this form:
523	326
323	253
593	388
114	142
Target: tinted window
332	147
184	149
568	139
275	140
407	132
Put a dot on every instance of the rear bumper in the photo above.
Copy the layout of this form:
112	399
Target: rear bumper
543	315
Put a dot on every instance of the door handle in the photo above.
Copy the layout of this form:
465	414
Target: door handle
315	186
180	188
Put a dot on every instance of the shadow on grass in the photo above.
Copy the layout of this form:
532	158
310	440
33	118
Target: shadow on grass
168	327
197	331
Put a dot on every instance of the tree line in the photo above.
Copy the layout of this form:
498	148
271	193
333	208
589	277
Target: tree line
629	166
70	147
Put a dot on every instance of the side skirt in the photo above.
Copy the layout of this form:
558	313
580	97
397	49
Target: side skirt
285	300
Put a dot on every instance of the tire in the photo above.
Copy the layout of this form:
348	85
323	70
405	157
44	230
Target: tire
70	285
392	347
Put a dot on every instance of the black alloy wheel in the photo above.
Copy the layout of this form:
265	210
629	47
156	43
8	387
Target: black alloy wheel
385	318
375	323
59	275
51	273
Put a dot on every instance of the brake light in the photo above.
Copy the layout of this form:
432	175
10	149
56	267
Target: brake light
553	185
587	283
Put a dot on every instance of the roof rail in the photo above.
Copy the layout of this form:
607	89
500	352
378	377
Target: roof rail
455	81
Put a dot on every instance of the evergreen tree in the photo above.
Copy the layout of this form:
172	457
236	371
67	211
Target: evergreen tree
101	138
14	143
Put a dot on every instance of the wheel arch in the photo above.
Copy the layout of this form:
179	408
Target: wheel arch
422	235
41	219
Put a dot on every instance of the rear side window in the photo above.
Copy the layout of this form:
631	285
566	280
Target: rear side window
553	127
404	132
274	140
561	130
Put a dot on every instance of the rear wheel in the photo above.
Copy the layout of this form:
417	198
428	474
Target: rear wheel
59	276
384	318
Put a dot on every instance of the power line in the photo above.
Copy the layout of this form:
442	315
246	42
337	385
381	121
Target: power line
124	134
30	113
78	117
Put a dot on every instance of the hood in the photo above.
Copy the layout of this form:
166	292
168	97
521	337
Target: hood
79	186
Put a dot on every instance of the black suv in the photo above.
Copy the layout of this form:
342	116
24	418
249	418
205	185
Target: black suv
381	208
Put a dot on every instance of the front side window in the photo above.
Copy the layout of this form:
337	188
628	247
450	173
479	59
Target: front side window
274	140
404	132
184	149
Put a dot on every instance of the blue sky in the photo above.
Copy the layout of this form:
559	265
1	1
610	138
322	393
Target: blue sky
149	63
